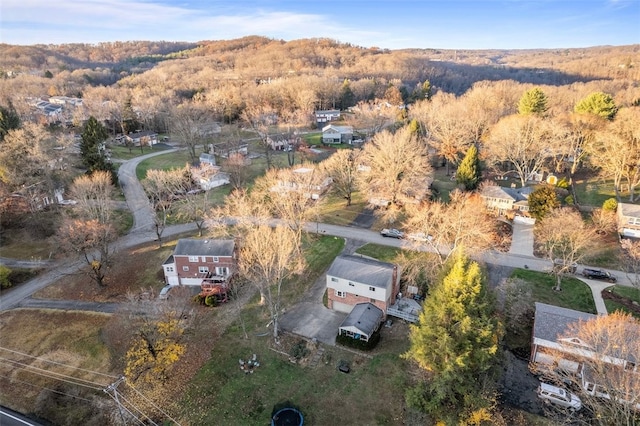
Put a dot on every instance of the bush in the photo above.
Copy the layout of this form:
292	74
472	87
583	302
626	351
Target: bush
563	183
4	277
359	344
569	200
610	205
198	299
211	300
299	350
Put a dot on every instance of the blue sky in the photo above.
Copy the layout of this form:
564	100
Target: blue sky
393	24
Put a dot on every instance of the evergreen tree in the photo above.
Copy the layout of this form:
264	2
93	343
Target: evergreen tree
542	200
598	103
469	173
9	120
92	147
455	342
426	90
347	98
533	101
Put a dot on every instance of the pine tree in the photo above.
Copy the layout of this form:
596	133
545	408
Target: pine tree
598	103
456	342
92	148
542	200
469	173
533	101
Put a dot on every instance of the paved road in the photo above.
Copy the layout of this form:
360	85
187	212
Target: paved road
11	418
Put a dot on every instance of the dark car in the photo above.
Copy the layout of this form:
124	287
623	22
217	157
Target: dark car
598	274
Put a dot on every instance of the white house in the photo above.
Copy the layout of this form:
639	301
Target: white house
629	220
355	279
146	138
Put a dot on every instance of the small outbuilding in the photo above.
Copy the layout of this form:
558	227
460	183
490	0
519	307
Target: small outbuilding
362	322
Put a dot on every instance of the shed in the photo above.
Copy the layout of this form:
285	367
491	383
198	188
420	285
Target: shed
362	322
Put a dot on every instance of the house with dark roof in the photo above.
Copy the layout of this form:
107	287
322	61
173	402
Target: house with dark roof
503	201
363	320
145	138
195	260
355	279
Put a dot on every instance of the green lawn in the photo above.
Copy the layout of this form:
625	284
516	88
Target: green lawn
631	293
333	208
594	192
575	294
168	161
380	252
122	152
313	138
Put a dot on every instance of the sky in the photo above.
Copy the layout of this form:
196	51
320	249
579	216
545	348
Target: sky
391	24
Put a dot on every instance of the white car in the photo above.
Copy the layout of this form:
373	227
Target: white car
164	293
392	233
558	396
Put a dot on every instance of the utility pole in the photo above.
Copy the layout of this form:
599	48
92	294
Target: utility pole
114	388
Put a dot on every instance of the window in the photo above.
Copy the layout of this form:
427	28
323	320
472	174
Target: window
372	289
334	279
185	268
224	271
203	269
193	258
351	284
169	268
341	293
216	259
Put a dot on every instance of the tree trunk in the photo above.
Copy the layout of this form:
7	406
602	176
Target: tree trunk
558	281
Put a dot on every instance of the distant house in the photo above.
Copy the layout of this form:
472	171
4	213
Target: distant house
363	320
208	176
195	260
225	149
629	220
504	201
337	134
146	138
354	279
306	180
207	159
325	116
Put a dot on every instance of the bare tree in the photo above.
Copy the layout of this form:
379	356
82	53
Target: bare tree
236	167
342	168
631	260
461	223
371	117
268	258
164	187
521	141
397	170
259	117
565	239
189	122
606	348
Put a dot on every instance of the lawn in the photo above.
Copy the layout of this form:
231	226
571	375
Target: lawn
121	152
621	298
333	208
313	138
380	252
575	294
594	191
173	160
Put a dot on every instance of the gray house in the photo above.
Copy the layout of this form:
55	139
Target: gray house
337	134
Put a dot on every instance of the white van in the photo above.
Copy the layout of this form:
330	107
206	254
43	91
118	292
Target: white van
558	396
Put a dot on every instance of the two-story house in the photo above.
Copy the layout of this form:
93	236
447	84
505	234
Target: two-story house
194	260
354	279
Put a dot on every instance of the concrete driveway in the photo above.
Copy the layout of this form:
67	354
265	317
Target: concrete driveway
314	321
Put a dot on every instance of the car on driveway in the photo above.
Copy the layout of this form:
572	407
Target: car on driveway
554	395
598	274
164	293
392	233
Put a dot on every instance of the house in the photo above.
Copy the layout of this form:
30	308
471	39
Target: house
552	350
504	201
354	279
305	179
195	260
225	149
363	320
337	134
324	116
146	138
207	159
629	220
208	177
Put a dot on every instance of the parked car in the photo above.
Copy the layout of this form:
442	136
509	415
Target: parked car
392	233
598	274
164	293
554	395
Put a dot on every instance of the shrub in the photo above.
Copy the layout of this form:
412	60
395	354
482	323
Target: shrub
198	299
4	277
610	205
569	200
299	350
563	183
211	300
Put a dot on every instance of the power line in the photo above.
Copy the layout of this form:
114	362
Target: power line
54	375
58	363
152	403
13	379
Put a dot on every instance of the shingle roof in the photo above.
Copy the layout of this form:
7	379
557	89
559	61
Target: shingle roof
365	317
195	247
362	270
629	210
551	321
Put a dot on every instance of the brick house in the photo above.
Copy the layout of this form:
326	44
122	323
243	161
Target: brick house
354	279
194	260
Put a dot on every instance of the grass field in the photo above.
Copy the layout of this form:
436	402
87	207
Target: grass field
630	293
122	152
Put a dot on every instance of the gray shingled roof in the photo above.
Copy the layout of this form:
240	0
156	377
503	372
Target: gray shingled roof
629	210
365	317
362	270
194	247
515	194
551	321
